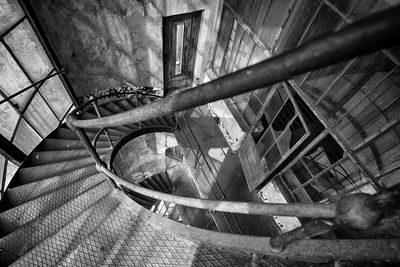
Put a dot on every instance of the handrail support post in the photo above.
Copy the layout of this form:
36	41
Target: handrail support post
96	108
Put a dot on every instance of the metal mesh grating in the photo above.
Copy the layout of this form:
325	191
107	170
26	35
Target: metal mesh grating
31	174
54	248
21	194
98	245
25	238
12	219
60	144
147	246
47	157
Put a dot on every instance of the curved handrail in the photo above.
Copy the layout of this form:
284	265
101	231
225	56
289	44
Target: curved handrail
310	210
367	35
305	249
364	36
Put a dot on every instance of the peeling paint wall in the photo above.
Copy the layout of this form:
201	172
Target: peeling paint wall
107	43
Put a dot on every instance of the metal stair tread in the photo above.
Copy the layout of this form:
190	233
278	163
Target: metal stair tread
111	108
56	246
68	134
12	219
27	236
51	144
95	248
26	192
47	157
53	169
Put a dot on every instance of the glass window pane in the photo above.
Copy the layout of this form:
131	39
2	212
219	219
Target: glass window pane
54	92
40	116
12	79
8	120
27	48
179	47
26	138
10	13
11	170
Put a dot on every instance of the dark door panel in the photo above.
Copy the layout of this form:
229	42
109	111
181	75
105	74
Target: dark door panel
180	36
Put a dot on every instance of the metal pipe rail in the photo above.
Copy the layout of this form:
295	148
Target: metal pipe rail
364	36
311	210
367	35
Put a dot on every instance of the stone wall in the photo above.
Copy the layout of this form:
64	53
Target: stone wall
109	43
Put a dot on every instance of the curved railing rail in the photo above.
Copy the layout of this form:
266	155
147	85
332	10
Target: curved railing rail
359	211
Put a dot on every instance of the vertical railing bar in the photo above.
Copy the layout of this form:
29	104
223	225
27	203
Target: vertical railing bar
89	147
97	110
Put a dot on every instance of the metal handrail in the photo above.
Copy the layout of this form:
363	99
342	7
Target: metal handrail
367	35
311	210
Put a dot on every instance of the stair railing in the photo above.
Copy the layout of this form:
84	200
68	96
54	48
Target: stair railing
359	211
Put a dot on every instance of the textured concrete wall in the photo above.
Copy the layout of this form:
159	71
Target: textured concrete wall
104	43
109	43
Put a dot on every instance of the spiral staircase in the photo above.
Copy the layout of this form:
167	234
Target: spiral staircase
59	210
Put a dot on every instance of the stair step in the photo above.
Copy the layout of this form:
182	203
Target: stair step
128	104
112	108
35	173
14	218
99	244
29	235
47	157
54	248
63	144
88	115
66	133
115	251
17	195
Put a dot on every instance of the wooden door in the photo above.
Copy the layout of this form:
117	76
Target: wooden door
180	36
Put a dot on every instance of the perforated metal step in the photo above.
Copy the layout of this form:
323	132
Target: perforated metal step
47	157
29	235
61	144
54	248
21	194
93	250
14	218
36	173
